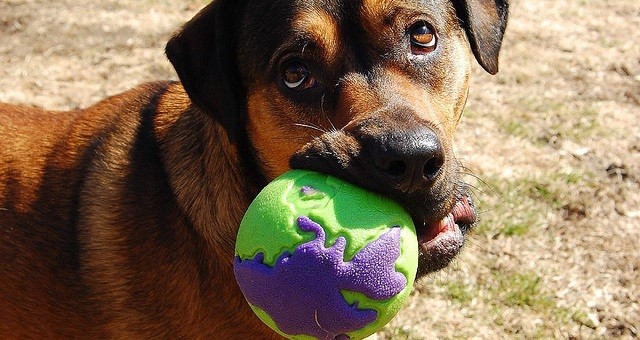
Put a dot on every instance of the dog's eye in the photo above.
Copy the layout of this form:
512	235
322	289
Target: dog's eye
423	38
296	76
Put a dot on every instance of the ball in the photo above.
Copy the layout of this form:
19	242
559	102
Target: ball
317	257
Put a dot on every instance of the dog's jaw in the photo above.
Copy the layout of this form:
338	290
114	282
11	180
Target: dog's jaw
441	241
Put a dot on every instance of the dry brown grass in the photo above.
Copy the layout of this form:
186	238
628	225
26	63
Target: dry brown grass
554	138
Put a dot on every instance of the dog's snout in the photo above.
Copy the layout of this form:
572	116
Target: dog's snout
407	160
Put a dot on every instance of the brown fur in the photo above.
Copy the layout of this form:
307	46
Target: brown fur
119	221
135	203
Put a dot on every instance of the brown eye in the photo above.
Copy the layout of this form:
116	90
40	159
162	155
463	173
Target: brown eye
296	76
423	38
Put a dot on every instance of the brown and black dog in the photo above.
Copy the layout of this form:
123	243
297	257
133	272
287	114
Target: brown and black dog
119	221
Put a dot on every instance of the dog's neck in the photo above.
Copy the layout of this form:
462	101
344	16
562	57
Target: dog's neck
205	171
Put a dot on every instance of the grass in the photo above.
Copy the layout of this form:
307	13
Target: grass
582	318
401	333
521	290
499	297
459	292
500	289
515	207
517	229
505	289
544	121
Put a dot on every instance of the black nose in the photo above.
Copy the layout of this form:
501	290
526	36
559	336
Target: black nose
407	159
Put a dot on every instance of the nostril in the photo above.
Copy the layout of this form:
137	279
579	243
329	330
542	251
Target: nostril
432	167
407	159
397	168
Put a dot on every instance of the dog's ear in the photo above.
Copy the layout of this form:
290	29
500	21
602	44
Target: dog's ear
203	55
485	22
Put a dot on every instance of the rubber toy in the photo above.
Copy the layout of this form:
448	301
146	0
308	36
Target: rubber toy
320	258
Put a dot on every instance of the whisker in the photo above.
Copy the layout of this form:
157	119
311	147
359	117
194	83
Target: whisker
477	179
474	244
310	126
333	127
469	172
473	188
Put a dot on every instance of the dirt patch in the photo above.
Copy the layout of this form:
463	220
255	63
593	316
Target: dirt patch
552	145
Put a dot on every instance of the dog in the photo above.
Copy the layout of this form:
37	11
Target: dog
119	220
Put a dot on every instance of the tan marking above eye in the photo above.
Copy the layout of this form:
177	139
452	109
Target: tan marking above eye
320	28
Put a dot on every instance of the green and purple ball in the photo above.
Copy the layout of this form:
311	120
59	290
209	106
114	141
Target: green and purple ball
318	257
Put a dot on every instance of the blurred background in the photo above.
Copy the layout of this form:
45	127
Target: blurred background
551	146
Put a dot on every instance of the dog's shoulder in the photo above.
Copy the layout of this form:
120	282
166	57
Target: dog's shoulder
62	173
47	156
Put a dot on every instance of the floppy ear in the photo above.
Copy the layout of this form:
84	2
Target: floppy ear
485	22
203	54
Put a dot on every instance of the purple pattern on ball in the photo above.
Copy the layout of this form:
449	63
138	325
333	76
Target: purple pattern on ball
301	292
307	190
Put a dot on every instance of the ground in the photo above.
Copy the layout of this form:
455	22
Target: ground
551	145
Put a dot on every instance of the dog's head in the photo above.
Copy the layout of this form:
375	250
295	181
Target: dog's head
367	90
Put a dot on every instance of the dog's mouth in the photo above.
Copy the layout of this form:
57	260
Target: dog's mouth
440	221
441	241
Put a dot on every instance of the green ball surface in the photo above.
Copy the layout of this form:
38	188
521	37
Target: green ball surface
353	222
